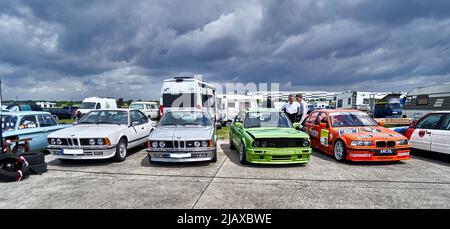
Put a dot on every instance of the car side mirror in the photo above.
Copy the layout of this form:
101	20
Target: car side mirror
154	124
297	125
238	125
413	124
135	123
323	125
381	123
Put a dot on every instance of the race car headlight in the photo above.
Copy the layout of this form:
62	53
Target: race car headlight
197	144
162	144
155	144
264	144
58	141
256	143
91	141
53	141
100	141
204	143
361	143
402	142
305	143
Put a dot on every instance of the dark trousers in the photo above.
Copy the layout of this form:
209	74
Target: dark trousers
292	117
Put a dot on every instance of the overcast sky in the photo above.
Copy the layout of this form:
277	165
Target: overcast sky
74	49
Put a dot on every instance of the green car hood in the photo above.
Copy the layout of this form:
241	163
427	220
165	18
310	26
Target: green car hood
276	133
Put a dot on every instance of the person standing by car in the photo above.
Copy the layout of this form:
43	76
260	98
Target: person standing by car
268	103
291	108
302	109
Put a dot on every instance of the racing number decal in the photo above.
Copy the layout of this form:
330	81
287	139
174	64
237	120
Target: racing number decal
324	137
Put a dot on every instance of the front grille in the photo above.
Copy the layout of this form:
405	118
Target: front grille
281	143
383	144
281	158
391	143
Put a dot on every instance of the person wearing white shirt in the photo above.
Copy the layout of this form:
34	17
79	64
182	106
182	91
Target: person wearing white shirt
303	109
291	108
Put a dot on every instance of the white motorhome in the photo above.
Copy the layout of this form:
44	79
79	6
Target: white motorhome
95	103
182	93
231	104
358	100
423	100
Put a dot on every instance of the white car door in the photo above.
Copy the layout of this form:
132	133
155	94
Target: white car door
422	135
139	129
440	140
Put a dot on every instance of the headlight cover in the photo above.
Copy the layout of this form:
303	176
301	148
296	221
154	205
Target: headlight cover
53	141
155	144
92	141
361	143
197	144
100	141
162	144
204	143
305	143
402	142
58	141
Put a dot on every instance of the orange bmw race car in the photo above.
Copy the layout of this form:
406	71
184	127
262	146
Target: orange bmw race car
353	135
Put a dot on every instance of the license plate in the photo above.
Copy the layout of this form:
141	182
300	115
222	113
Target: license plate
385	151
180	155
72	151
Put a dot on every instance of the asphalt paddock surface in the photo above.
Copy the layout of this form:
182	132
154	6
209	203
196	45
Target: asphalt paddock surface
323	183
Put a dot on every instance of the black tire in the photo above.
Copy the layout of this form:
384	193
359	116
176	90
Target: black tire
38	169
33	158
119	157
231	144
214	159
11	174
242	154
341	157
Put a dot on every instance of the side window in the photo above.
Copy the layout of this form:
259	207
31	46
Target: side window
28	122
312	118
148	107
98	106
321	117
430	122
46	120
446	123
239	117
135	117
144	119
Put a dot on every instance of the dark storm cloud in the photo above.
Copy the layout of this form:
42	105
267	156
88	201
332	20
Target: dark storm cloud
71	49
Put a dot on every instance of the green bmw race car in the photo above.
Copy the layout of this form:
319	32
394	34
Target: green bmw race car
267	136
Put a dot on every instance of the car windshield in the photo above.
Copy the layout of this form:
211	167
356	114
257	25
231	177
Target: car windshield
267	119
87	105
137	107
395	106
105	117
344	119
185	118
8	122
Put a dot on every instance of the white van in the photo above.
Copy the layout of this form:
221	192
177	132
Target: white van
95	103
150	109
232	104
187	93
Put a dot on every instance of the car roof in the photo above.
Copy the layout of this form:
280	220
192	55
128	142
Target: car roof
22	113
336	110
186	109
143	102
115	109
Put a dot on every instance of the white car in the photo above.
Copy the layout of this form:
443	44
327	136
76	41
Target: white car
102	134
150	109
431	133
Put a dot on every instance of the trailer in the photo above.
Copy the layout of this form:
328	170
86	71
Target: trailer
423	100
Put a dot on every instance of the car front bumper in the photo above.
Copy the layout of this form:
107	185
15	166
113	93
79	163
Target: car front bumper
279	155
370	155
88	152
181	155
